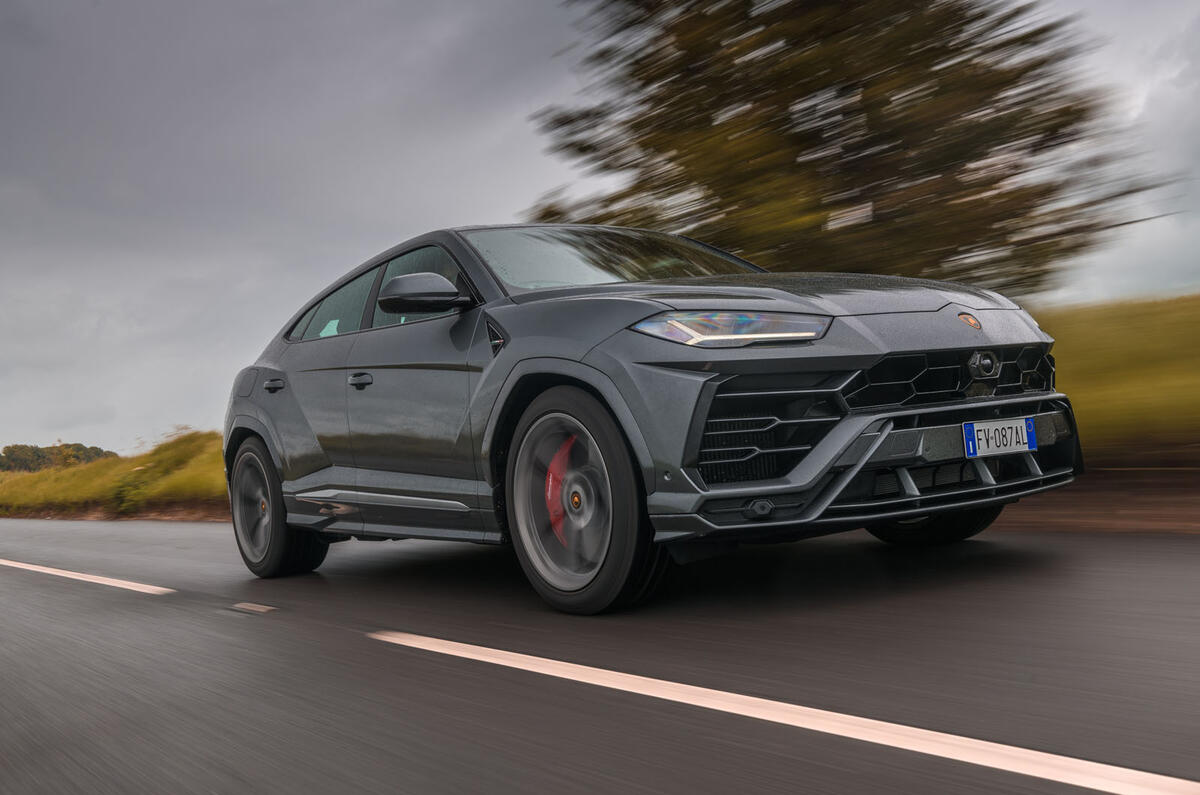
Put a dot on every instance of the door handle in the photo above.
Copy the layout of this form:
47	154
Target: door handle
360	380
273	385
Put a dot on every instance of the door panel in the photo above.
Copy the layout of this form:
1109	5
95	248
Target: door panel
410	427
314	407
314	430
315	372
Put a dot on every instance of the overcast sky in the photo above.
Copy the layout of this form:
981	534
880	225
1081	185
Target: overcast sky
177	177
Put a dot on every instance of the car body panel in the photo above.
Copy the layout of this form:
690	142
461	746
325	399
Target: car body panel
315	389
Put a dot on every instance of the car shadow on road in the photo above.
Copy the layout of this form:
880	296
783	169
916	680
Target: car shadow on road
817	572
847	568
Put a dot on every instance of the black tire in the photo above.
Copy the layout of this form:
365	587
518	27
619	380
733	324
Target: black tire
623	564
937	530
267	545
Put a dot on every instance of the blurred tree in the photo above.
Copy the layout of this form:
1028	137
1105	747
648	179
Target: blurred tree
22	457
946	139
30	458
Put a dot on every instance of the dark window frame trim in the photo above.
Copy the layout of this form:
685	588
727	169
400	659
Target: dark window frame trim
379	264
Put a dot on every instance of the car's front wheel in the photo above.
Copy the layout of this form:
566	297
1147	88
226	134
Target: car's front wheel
936	530
268	546
575	510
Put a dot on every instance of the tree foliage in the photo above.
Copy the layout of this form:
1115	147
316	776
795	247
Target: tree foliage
31	458
948	139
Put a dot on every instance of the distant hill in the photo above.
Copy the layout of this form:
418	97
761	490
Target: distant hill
31	458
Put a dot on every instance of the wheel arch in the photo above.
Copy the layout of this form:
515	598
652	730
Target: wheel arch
532	377
242	428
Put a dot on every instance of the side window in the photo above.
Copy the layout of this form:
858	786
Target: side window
429	259
342	310
297	331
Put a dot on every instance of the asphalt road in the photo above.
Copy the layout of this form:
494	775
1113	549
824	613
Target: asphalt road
1085	645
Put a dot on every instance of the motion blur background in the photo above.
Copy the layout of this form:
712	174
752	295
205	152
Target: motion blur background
176	178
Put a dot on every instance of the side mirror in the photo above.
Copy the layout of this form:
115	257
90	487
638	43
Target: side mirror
421	292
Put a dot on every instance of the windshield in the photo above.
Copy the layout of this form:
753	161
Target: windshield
539	257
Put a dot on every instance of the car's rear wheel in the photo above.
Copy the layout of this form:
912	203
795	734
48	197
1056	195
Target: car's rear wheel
575	509
936	530
268	546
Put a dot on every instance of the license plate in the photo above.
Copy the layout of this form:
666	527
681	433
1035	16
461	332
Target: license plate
995	437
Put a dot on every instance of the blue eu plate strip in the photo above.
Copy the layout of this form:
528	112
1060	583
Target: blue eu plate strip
1030	433
969	438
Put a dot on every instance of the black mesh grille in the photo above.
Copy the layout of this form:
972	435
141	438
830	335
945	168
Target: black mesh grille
943	376
761	426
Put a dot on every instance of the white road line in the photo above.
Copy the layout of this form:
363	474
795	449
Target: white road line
251	607
1051	767
75	575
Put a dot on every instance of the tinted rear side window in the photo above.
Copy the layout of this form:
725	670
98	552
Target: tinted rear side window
297	331
342	310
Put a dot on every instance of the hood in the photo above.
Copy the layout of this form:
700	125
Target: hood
836	294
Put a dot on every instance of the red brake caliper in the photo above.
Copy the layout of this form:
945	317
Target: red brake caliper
554	484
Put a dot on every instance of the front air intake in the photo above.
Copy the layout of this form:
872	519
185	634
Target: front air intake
760	427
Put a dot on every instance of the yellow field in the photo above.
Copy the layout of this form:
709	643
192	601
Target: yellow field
182	470
1132	371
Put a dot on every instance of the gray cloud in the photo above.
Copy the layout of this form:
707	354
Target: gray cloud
176	178
1150	60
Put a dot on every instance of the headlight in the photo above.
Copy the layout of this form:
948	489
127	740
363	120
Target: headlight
733	329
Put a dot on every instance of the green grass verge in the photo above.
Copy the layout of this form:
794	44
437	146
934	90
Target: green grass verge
185	469
1132	371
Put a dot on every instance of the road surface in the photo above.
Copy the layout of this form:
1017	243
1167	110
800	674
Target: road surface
1085	646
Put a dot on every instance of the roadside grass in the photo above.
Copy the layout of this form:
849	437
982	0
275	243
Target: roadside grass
184	469
1132	371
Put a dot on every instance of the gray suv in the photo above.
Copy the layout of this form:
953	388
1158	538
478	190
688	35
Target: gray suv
608	400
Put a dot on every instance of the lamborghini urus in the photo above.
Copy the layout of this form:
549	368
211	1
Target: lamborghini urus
608	400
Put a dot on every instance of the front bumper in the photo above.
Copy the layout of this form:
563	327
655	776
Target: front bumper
781	442
888	465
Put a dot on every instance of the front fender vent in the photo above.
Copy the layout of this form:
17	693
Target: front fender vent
496	338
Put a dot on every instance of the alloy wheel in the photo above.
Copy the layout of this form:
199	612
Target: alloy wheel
563	501
252	508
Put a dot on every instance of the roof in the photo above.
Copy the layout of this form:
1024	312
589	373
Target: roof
534	225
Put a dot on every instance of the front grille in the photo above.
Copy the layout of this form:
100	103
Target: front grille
760	426
941	376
